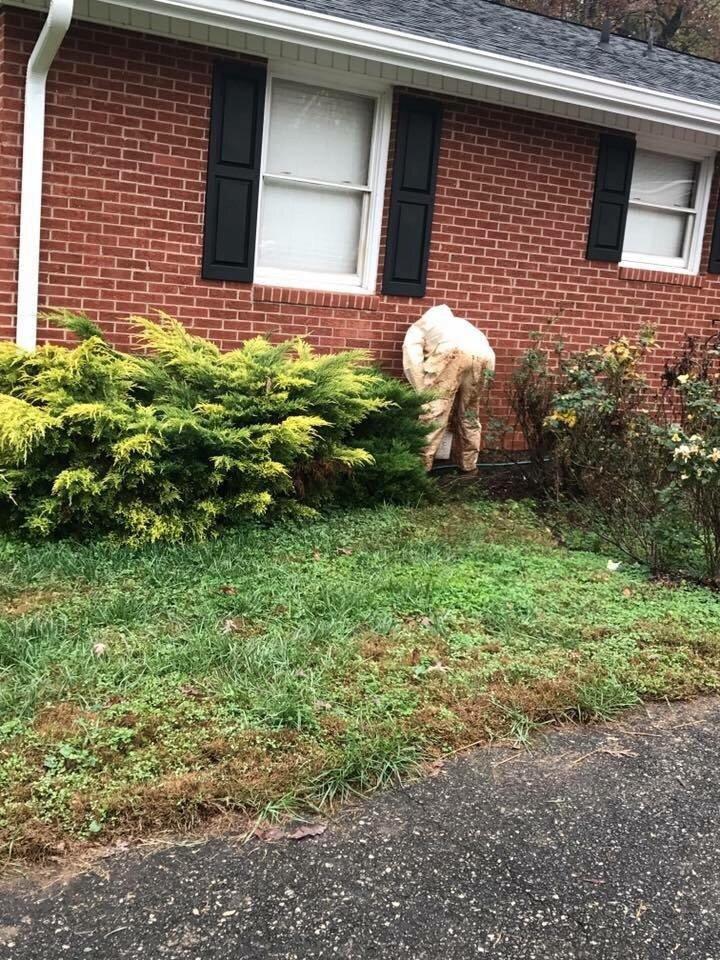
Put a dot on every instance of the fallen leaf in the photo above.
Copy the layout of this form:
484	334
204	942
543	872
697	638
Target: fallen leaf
316	555
345	551
627	592
437	668
271	834
307	830
228	590
300	832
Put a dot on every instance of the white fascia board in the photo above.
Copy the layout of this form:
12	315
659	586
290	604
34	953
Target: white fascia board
293	25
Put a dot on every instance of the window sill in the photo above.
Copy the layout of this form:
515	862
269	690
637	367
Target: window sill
316	298
639	275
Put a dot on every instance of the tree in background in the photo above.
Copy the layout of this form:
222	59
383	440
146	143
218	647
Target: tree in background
692	26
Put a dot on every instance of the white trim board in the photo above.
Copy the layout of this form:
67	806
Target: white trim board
277	31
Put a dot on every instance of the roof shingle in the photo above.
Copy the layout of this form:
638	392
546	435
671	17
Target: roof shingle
487	26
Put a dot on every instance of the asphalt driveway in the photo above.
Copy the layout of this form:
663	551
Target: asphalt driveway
601	843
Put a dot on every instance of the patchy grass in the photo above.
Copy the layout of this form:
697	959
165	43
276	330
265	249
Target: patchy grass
275	670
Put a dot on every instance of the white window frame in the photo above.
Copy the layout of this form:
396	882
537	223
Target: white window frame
689	264
365	281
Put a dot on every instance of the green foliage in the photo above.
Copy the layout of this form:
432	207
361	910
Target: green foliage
76	323
603	388
692	441
533	385
642	469
178	442
394	437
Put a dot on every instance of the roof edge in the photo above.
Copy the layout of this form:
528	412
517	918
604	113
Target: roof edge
293	25
410	51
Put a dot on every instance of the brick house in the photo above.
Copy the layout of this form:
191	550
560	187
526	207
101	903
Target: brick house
332	168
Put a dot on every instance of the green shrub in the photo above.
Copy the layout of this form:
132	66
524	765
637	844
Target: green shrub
642	469
692	440
175	443
394	436
610	463
534	383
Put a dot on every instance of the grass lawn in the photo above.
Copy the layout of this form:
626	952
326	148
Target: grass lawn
275	670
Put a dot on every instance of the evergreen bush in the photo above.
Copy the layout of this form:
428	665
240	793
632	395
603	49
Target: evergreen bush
179	441
394	436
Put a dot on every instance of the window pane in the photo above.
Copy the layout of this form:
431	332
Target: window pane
657	233
310	228
663	180
319	134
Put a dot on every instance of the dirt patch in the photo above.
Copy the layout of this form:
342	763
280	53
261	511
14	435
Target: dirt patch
410	645
60	720
244	778
500	481
672	635
31	601
502	711
240	776
376	647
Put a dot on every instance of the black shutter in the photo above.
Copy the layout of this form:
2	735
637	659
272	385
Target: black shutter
714	262
412	196
612	193
233	178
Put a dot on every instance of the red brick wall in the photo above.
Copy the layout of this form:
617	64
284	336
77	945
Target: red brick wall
10	128
124	194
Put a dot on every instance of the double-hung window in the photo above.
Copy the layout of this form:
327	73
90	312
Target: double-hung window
322	186
666	213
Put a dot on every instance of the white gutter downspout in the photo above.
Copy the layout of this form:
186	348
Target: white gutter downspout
54	29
